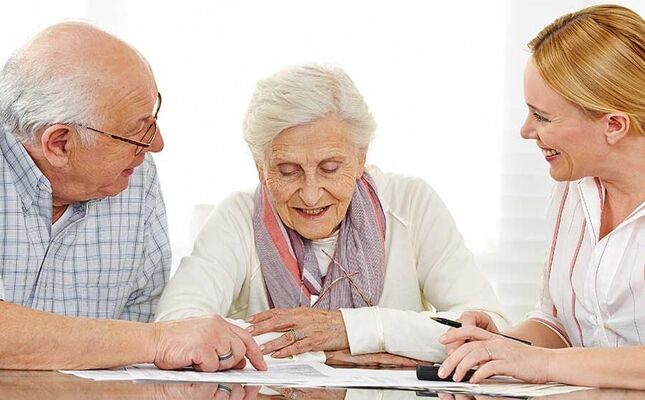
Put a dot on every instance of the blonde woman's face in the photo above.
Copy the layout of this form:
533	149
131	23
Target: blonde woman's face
310	172
572	143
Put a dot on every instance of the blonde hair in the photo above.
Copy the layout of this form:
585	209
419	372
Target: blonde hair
595	58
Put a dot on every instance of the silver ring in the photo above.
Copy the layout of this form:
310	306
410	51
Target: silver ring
224	388
225	356
490	355
296	335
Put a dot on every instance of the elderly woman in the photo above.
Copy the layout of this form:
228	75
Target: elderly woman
338	256
585	90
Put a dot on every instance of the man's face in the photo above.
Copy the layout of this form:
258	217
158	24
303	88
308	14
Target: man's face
104	167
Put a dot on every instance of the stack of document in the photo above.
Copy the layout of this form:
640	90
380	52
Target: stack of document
316	374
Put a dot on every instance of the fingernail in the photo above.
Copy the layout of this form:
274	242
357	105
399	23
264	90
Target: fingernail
262	347
441	372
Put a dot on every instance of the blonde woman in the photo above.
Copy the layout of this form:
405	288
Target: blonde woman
585	90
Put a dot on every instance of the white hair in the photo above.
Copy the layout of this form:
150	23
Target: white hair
33	95
300	95
48	81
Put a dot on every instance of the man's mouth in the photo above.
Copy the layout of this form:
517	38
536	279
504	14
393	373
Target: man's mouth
550	154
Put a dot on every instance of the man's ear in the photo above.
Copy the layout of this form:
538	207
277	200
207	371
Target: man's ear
57	143
617	127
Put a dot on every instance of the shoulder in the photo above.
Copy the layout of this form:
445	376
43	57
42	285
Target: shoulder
399	193
235	211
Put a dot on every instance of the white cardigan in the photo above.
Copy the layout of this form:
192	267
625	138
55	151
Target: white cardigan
429	271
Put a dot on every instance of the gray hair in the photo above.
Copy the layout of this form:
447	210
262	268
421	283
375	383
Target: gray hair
32	97
44	82
300	95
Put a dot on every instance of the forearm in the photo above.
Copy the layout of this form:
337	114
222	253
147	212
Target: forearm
538	334
32	339
601	367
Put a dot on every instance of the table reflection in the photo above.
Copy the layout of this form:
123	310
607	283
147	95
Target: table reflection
17	385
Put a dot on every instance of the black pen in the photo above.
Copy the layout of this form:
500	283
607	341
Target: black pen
455	324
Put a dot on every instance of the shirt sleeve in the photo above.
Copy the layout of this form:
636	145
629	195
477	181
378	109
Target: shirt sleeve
449	280
211	277
546	312
153	275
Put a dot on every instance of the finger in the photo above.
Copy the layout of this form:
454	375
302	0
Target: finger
299	347
238	349
237	392
276	324
278	343
450	363
206	360
465	333
477	356
487	370
468	318
223	392
240	365
252	392
450	348
263	315
226	353
253	352
398	361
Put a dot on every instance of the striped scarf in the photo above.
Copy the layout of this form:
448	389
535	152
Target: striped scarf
289	265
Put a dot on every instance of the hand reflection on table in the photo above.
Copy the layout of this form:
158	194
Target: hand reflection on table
22	385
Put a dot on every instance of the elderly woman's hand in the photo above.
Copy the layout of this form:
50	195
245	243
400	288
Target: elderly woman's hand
495	355
343	358
306	329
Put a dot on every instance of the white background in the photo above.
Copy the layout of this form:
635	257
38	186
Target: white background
443	80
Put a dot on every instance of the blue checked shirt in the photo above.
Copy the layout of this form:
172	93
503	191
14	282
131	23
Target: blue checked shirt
110	260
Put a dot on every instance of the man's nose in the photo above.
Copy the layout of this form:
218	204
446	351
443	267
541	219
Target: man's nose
157	145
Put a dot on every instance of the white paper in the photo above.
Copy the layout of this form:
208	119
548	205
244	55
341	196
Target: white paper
315	374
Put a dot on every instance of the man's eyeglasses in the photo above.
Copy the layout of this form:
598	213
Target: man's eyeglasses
146	139
347	276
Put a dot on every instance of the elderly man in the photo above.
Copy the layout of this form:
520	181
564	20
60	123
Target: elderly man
82	218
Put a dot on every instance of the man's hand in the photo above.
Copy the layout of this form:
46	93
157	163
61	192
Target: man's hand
472	318
204	343
343	358
315	330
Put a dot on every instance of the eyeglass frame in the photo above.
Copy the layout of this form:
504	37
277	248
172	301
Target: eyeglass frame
347	276
140	145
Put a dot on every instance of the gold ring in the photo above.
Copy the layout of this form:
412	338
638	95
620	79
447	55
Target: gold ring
490	355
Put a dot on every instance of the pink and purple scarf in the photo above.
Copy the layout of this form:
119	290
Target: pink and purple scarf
289	265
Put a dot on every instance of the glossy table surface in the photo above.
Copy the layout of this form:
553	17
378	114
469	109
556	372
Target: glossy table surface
20	385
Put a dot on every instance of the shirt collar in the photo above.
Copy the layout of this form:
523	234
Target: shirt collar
592	193
28	179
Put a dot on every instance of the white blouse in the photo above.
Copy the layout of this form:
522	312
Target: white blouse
429	271
593	291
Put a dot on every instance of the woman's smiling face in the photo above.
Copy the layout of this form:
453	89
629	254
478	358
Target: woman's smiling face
572	142
310	172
